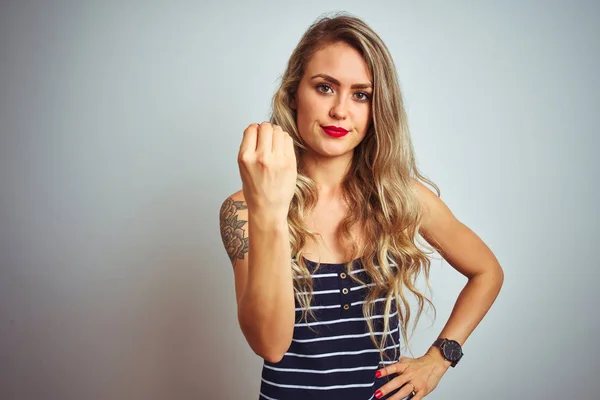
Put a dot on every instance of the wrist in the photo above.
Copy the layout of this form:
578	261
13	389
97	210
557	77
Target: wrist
267	220
436	354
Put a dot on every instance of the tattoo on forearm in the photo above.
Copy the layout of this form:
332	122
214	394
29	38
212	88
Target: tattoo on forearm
232	234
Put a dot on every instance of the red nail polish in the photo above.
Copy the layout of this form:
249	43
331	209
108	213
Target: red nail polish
378	374
378	394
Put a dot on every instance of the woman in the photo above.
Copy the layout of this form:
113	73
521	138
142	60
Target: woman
323	234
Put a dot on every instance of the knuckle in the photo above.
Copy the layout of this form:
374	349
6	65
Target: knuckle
266	128
251	128
263	159
245	157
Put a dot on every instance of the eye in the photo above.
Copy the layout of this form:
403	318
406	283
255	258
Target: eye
323	88
363	96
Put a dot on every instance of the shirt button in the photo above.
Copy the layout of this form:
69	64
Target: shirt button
343	275
346	306
345	290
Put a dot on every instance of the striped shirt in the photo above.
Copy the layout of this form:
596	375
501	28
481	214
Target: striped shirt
332	355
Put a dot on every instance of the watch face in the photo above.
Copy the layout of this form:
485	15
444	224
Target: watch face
452	350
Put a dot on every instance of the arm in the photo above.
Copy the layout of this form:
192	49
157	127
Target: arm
262	259
470	256
263	282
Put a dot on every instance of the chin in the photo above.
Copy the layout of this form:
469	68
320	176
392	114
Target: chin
333	151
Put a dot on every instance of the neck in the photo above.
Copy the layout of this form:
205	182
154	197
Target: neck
327	172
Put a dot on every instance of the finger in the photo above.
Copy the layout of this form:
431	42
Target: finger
278	140
418	396
392	385
404	392
396	368
289	146
265	138
409	397
249	140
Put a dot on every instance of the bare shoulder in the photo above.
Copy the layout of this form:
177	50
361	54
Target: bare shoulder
436	213
233	221
237	196
428	199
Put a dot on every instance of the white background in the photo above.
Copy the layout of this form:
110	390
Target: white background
120	124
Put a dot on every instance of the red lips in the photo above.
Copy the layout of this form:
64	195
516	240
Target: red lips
334	131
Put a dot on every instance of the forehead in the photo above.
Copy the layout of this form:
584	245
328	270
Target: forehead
340	61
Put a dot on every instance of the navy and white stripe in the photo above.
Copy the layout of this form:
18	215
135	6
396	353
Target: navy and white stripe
332	355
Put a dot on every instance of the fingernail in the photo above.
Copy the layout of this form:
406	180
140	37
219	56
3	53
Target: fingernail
378	394
378	374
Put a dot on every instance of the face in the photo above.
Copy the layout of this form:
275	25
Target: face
334	96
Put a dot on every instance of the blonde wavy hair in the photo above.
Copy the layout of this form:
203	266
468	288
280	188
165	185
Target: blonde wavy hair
378	184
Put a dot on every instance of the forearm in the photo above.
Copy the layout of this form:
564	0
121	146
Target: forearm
266	308
472	304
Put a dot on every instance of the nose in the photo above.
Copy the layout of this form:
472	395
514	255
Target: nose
339	110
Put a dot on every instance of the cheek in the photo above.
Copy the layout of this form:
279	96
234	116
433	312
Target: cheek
307	112
363	116
305	115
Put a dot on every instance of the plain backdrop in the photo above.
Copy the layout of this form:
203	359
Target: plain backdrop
120	124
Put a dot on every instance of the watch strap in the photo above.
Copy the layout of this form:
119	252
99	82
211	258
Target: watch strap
440	343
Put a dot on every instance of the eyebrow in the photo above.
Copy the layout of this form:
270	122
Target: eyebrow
336	82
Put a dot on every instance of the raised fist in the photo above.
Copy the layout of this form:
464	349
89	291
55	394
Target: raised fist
267	165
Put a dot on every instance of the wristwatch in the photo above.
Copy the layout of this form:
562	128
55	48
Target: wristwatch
450	349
